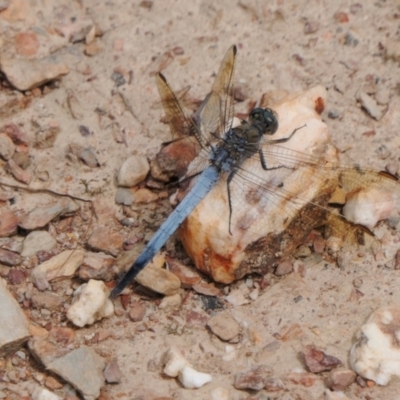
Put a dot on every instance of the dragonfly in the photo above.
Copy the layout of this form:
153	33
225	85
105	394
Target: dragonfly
224	150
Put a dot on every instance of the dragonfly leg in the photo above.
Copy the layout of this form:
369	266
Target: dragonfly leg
284	140
228	181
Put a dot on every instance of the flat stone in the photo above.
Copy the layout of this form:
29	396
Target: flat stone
133	171
38	241
159	280
41	216
15	134
137	311
17	172
7	147
17	276
83	369
104	239
47	300
9	258
28	74
112	373
370	105
88	156
255	379
207	289
124	196
284	267
14	328
8	222
187	277
144	196
97	266
224	326
341	378
317	361
62	265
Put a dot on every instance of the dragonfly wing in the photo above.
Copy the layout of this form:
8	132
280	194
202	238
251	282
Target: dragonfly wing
180	125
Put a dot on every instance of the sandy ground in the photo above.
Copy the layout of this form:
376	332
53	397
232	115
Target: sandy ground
283	44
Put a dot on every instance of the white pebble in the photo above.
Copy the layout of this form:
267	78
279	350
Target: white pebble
174	362
44	394
376	354
192	379
92	305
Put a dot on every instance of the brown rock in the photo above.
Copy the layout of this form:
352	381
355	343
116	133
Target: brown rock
17	172
187	277
26	43
224	326
137	311
47	300
283	268
52	383
341	378
112	373
61	335
255	379
97	266
206	289
305	379
16	276
8	222
92	49
317	361
144	196
9	258
104	239
15	134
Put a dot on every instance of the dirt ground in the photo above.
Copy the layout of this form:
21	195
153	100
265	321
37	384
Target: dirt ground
110	91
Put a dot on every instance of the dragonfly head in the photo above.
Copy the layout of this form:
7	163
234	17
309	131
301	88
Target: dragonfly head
264	119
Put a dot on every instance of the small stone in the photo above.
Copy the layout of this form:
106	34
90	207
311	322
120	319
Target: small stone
104	239
224	326
47	300
236	297
144	196
38	241
187	277
112	373
207	289
44	394
17	172
133	171
92	49
83	369
16	276
97	266
28	74
310	27
88	156
254	379
192	379
341	378
62	265
174	362
370	105
14	330
92	304
137	311
159	280
305	379
124	196
335	395
341	17
15	134
9	258
52	383
22	159
7	147
169	302
284	267
317	361
26	43
8	222
41	216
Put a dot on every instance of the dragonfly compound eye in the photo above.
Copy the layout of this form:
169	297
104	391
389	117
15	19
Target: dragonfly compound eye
265	119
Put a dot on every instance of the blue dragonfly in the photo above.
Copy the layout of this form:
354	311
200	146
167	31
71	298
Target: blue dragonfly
223	149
